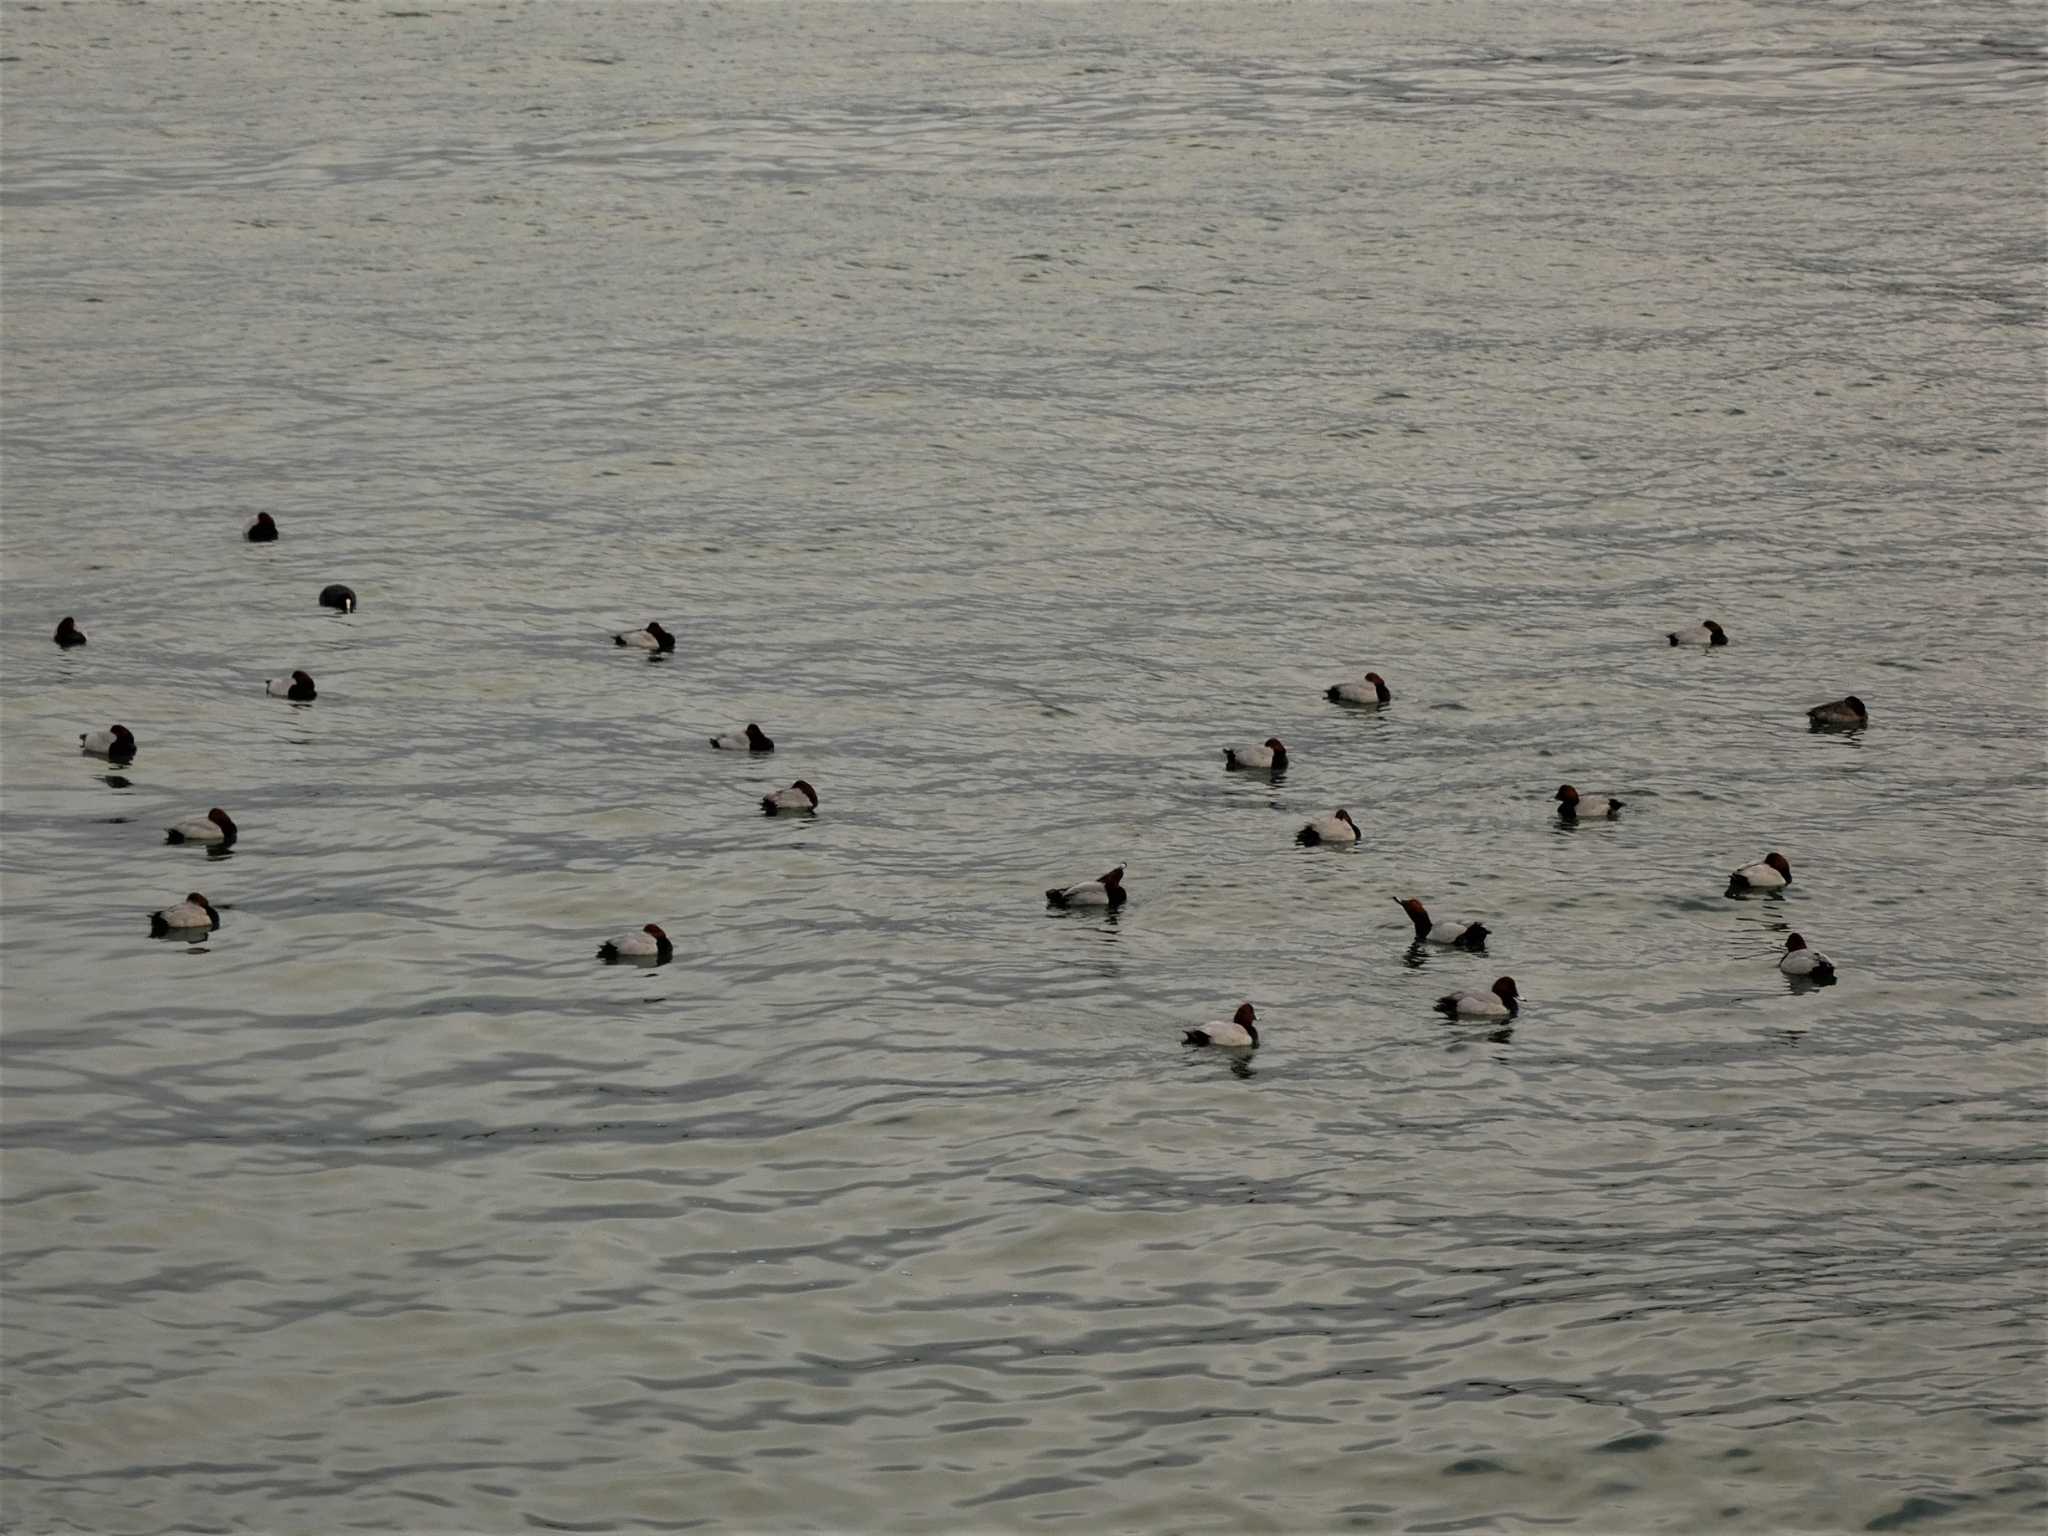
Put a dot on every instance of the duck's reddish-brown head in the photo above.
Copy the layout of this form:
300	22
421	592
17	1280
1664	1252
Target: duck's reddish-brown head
1795	942
1345	817
221	819
1413	906
1374	678
655	929
1244	1014
1504	989
1113	879
303	679
1274	743
1566	794
1777	862
122	732
198	900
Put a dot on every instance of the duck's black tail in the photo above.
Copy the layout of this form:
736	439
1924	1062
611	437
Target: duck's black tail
1447	1005
157	926
1308	837
1195	1037
608	951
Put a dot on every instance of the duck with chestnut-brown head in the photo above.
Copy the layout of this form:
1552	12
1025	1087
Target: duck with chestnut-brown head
1772	873
1239	1032
1371	692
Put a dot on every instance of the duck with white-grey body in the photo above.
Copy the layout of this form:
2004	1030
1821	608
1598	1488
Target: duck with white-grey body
1103	891
1502	1001
1335	830
1239	1032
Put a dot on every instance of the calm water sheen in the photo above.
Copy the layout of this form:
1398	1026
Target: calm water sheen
1009	407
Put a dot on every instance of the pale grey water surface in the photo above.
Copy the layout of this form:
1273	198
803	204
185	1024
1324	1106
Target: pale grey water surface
1009	407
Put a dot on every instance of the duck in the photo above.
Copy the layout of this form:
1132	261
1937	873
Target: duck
1471	936
650	943
798	797
1798	960
1371	693
1501	1001
1572	807
1337	827
1842	714
298	688
1240	1032
335	595
194	912
217	830
652	638
1706	633
752	739
262	531
1772	874
1272	754
1103	891
116	744
68	633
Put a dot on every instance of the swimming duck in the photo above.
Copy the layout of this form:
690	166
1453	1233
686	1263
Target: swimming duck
1842	714
1773	874
262	531
1237	1033
336	595
116	744
1271	755
298	688
1707	633
1337	827
1501	1002
650	943
652	638
1371	693
195	912
68	633
798	797
1798	960
217	830
1572	807
1103	891
750	740
1471	936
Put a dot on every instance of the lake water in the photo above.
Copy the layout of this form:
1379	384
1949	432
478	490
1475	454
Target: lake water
1009	407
